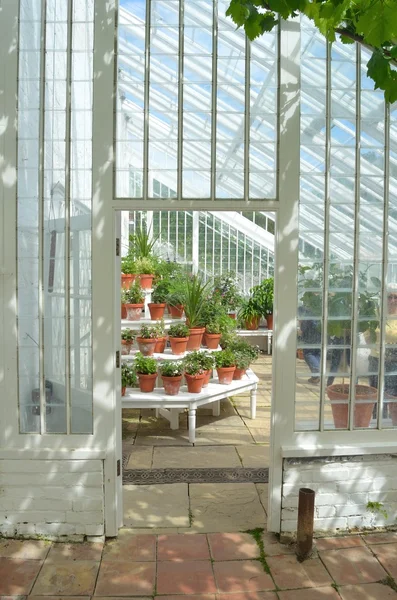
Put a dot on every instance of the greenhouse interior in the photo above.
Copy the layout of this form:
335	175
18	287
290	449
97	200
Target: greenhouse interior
180	203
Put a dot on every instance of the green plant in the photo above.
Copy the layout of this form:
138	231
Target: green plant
143	242
248	310
171	368
148	332
377	508
159	328
262	297
128	265
257	534
179	330
227	290
161	291
206	360
177	292
192	363
225	358
167	270
244	347
195	299
144	265
213	327
134	294
128	375
127	335
228	338
124	296
145	365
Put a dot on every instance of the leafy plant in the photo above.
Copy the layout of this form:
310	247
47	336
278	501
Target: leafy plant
145	265
171	368
195	299
127	335
213	327
227	339
143	242
145	365
225	358
377	508
134	294
124	296
248	310
227	290
159	328
179	330
206	360
167	270
262	296
193	364
148	332
128	265
128	375
177	292
245	353
161	291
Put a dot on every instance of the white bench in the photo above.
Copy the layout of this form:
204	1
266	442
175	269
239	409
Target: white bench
260	333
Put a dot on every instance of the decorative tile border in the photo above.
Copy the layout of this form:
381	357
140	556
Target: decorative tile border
225	475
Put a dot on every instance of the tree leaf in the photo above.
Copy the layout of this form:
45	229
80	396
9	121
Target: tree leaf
378	23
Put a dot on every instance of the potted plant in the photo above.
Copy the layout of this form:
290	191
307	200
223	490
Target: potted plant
128	377
127	271
245	355
161	337
194	372
145	268
212	335
146	369
207	362
123	299
127	339
171	372
249	315
262	297
159	297
194	304
227	290
176	298
225	362
178	336
147	339
134	301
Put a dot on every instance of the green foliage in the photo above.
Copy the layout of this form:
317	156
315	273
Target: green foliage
142	243
248	310
225	358
257	534
145	365
213	327
128	265
159	328
195	300
145	265
227	291
148	332
244	352
207	360
377	508
193	364
228	338
134	294
167	270
262	296
179	330
171	368
177	292
161	291
128	375
370	22
127	335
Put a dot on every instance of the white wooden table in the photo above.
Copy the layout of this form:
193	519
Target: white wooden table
170	406
260	333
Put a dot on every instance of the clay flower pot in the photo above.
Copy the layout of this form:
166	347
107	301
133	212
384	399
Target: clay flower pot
172	384
147	382
123	311
125	347
126	280
207	377
232	315
156	311
269	322
252	324
195	338
146	346
239	373
176	312
123	390
178	345
160	345
146	281
225	375
212	340
339	395
194	383
134	311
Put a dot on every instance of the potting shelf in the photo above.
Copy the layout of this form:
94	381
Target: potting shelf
170	406
262	333
136	325
166	355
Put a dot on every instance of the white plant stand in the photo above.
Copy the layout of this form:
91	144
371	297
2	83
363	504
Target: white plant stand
260	333
170	406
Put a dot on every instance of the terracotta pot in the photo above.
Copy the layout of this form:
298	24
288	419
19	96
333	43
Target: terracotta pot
147	382
207	377
134	311
195	338
269	321
156	311
225	374
126	280
125	347
178	345
339	394
146	281
239	373
212	340
232	315
123	390
172	384
176	312
194	383
146	346
252	324
123	311
160	345
393	412
299	354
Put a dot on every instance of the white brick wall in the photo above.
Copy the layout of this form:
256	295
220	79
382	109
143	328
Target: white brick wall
344	486
51	497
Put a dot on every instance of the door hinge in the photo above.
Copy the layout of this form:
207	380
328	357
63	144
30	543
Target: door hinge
117	246
118	468
118	359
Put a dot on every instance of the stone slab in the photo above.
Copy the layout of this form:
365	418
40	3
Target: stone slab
235	436
140	458
156	505
254	456
195	458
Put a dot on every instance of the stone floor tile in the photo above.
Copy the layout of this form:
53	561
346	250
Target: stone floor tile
27	549
248	596
227	409
17	575
195	458
387	556
262	412
254	456
156	505
273	547
130	547
126	579
225	507
188	577
231	436
182	547
191	597
85	551
117	598
153	423
388	537
242	576
67	578
140	458
162	438
232	546
332	543
352	566
288	573
320	593
209	421
263	492
260	436
369	591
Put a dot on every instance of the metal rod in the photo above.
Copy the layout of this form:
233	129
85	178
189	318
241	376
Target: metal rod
247	120
145	183
214	97
179	189
304	538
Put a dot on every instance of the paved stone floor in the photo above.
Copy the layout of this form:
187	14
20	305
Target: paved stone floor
213	566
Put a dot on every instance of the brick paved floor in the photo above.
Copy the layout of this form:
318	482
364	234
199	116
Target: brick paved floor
214	566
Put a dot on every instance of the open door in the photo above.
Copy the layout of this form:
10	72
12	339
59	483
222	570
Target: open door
116	316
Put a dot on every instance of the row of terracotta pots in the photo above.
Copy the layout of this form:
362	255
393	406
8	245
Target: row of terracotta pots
252	324
146	280
133	312
178	345
365	400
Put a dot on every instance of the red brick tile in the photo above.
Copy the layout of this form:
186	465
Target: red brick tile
352	566
387	556
192	597
26	549
130	547
288	573
17	576
60	598
75	552
273	547
232	546
321	593
248	596
369	591
388	537
332	543
242	576
67	578
188	577
183	547
126	579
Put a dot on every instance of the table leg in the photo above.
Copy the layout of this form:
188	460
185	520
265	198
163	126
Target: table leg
157	413
253	403
216	408
192	425
174	418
